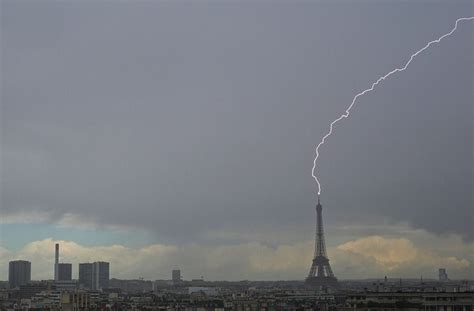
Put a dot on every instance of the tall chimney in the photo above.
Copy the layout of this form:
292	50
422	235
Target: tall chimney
56	263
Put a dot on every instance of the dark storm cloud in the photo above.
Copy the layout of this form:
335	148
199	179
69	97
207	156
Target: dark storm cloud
187	117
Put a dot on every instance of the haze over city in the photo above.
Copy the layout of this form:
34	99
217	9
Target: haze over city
164	135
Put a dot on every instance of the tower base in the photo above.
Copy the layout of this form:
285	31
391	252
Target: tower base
322	281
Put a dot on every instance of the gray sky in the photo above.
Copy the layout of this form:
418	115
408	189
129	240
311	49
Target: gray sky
197	121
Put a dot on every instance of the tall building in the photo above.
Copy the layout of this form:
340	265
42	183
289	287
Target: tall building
85	275
100	275
443	275
56	262
176	276
320	274
19	273
94	275
64	272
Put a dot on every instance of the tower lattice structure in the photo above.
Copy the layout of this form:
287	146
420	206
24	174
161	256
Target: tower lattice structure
320	274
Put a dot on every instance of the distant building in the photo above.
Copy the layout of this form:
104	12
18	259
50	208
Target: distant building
100	275
78	300
64	272
94	275
70	285
19	273
85	275
208	291
176	276
160	284
56	262
31	289
130	286
410	301
443	276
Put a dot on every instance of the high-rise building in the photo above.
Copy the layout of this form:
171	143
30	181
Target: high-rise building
100	275
443	275
64	272
176	276
94	275
85	275
19	273
320	274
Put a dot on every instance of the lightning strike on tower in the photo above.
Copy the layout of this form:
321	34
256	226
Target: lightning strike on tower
347	112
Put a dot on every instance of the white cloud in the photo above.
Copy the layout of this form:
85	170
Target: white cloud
125	261
390	253
70	220
157	261
24	217
371	256
401	257
67	220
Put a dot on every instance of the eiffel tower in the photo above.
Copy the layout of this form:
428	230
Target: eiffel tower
320	274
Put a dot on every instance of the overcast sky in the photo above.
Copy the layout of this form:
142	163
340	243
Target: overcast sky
186	130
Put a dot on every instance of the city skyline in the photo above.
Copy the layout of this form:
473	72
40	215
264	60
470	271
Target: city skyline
185	138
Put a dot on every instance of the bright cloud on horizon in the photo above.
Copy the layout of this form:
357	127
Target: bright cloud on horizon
397	254
371	256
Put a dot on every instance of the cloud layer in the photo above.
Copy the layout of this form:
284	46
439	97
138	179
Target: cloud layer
196	124
371	256
190	119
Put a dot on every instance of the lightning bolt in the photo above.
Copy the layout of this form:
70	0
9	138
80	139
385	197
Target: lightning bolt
347	112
